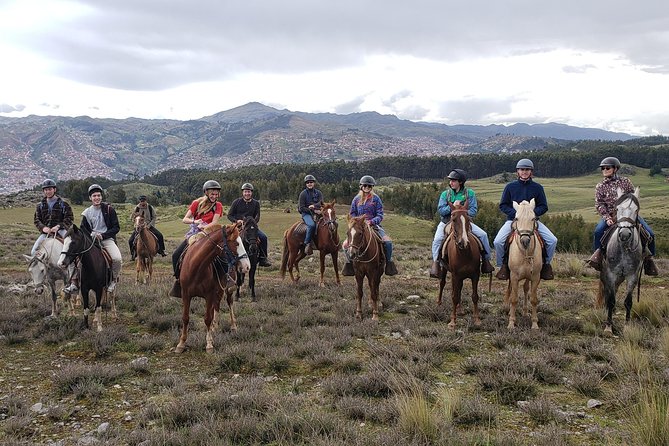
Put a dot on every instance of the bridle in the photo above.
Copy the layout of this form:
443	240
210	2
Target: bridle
77	254
362	253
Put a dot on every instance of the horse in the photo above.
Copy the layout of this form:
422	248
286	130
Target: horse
44	270
462	250
146	249
95	273
202	275
326	240
525	262
365	248
623	257
249	236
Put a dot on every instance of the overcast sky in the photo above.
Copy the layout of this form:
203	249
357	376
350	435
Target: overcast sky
589	63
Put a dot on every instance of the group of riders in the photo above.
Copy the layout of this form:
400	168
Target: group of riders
53	217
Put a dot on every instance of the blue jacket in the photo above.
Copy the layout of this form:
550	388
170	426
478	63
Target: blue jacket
523	190
307	197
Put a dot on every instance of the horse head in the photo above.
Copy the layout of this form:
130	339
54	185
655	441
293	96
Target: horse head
358	236
235	244
329	219
76	242
37	270
461	225
249	234
525	222
139	222
627	208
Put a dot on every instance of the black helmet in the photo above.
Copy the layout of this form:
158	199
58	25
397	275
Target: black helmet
525	164
458	175
210	184
94	188
367	180
142	198
48	183
247	186
610	161
309	178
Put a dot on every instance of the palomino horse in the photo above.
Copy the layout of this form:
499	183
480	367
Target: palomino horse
326	240
44	270
146	249
249	237
95	274
525	262
623	257
365	249
202	274
461	248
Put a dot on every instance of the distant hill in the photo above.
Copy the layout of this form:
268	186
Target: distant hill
35	147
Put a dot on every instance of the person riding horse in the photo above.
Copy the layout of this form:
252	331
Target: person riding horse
202	213
605	205
101	222
310	203
247	206
523	189
458	193
369	204
146	211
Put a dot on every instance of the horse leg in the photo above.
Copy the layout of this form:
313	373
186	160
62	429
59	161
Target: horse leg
84	297
149	268
252	280
610	295
442	284
138	268
233	319
98	309
358	296
240	282
526	297
513	300
631	284
322	260
335	263
475	301
185	320
54	300
208	319
374	296
535	303
456	294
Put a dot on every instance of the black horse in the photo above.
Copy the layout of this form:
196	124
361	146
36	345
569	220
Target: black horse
95	274
249	235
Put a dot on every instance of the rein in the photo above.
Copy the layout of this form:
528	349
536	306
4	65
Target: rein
364	251
75	254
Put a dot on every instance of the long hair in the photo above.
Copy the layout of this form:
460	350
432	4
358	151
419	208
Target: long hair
204	205
362	199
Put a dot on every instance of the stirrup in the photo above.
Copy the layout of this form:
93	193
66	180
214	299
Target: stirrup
71	288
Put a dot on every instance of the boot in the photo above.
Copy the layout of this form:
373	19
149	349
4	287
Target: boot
546	272
262	261
435	270
649	267
71	288
348	269
308	250
595	260
176	289
133	255
391	269
503	273
486	267
162	252
111	287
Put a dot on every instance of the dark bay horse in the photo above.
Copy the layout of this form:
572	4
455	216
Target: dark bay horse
202	274
525	262
365	249
249	235
95	274
147	248
326	240
623	257
462	250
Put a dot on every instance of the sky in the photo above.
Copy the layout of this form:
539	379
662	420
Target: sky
594	63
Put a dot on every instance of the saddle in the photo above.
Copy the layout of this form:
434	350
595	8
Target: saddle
443	249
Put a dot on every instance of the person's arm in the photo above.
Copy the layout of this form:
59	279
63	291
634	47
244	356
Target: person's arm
540	202
232	212
256	214
38	223
506	203
68	218
354	207
378	209
152	216
473	204
189	218
303	206
113	223
600	203
443	207
218	212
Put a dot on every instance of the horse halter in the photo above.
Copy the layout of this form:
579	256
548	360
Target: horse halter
225	249
361	253
76	254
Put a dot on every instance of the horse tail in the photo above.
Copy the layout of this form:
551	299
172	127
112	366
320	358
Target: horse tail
284	255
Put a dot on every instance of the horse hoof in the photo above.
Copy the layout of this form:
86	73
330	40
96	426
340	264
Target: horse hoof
178	349
608	331
322	284
358	316
511	326
375	318
535	326
477	322
210	350
451	326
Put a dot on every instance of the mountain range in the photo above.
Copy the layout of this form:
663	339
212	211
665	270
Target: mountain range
38	147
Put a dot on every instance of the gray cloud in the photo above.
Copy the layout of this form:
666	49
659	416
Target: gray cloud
352	106
6	108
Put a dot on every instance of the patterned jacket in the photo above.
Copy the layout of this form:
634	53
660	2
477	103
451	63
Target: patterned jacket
372	209
606	195
60	214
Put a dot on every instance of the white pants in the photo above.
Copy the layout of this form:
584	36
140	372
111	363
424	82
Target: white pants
41	238
439	237
115	254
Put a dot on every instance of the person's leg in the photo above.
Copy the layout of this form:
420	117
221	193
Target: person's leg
131	244
161	240
486	267
311	227
262	255
651	242
500	241
595	259
37	244
439	237
550	241
117	261
176	258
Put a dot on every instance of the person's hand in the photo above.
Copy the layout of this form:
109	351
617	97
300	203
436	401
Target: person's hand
96	235
55	229
345	244
311	206
46	230
239	222
609	221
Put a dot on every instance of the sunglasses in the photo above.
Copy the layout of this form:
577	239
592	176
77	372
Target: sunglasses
367	185
607	167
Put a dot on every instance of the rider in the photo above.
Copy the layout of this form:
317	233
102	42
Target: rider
524	188
146	211
202	213
458	193
605	200
310	203
101	222
369	204
247	206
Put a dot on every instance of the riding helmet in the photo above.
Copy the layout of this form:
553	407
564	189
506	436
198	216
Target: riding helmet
48	183
525	164
142	198
94	188
247	186
210	184
458	175
610	161
367	180
309	178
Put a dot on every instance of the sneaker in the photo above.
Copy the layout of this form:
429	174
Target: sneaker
71	288
111	287
486	266
649	267
595	260
348	269
435	270
503	273
391	269
176	289
262	261
546	272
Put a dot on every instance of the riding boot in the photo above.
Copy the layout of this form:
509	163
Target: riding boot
262	261
503	273
391	269
649	266
73	287
546	272
176	289
133	254
435	270
348	269
112	286
486	266
162	252
308	249
595	260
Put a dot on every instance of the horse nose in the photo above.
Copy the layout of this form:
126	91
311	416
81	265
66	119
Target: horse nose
39	290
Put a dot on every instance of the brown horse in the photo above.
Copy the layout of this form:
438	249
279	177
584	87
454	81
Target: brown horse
202	275
525	262
365	249
147	248
326	240
461	248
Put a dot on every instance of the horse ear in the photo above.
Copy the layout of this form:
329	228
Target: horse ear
637	191
334	201
532	203
28	258
515	205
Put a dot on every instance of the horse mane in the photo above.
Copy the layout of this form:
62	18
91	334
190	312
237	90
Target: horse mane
525	210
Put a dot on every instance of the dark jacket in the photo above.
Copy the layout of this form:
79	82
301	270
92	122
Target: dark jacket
308	197
523	190
60	214
111	220
240	208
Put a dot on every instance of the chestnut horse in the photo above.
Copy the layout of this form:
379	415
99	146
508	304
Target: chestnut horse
525	262
462	250
326	240
146	249
365	248
202	274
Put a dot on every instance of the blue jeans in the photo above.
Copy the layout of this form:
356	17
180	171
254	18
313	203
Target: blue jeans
500	240
311	227
42	236
263	242
439	237
601	228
